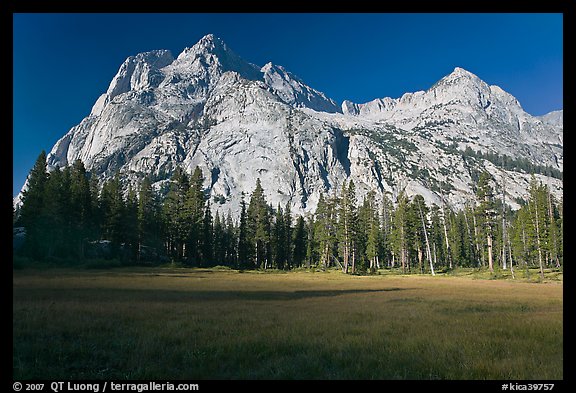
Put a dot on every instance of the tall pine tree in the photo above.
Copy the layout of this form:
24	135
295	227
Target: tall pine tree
259	227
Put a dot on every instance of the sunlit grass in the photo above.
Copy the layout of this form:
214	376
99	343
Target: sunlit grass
223	324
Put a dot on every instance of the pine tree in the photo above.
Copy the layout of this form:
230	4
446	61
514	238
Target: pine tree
194	212
420	205
401	232
33	195
471	249
348	227
219	240
175	220
112	206
386	216
554	233
244	237
416	220
370	224
457	238
231	240
278	240
325	230
520	233
55	215
486	214
537	206
259	226
288	241
312	248
97	216
81	209
31	215
131	225
436	236
207	256
149	227
300	240
445	223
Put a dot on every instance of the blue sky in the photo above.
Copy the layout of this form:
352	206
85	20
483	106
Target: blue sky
63	62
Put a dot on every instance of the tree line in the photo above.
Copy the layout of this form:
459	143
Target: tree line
67	214
511	164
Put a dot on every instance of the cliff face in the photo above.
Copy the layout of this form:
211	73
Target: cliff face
239	122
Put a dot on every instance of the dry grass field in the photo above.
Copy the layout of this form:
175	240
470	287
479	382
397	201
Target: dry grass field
172	323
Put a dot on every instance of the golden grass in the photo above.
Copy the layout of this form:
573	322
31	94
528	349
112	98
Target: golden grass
170	323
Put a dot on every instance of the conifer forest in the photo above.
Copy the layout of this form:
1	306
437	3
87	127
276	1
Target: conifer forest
67	215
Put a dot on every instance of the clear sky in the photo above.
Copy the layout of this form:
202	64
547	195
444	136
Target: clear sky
63	62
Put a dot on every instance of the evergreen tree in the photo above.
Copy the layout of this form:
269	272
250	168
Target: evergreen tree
537	206
97	215
370	224
348	227
175	220
520	233
112	207
400	234
149	228
194	213
259	226
486	214
31	215
55	215
33	195
325	230
312	254
417	210
207	257
471	249
64	209
219	241
288	232
386	216
300	240
81	209
457	238
244	238
555	232
279	238
422	230
231	240
437	236
131	238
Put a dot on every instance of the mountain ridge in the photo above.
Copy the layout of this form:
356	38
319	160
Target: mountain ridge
237	121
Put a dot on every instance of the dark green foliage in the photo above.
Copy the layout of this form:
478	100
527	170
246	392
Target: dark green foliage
259	227
174	217
511	164
348	227
131	238
149	222
325	230
486	215
32	215
219	241
194	217
113	208
69	217
300	240
244	244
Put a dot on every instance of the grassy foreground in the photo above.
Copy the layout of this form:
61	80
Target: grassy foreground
169	323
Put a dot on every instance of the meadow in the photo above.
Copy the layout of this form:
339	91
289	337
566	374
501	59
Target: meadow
181	323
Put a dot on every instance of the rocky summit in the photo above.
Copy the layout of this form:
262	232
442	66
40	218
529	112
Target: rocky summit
208	107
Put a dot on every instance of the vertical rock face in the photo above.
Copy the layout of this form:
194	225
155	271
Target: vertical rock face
238	122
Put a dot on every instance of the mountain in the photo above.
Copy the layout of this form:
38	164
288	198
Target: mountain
238	122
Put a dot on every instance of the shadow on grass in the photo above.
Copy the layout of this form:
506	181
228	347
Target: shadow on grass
163	295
